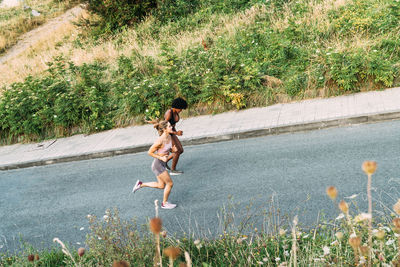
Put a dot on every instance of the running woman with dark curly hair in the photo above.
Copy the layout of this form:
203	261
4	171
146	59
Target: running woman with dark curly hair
172	116
160	151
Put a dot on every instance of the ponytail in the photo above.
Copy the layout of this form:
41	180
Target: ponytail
159	125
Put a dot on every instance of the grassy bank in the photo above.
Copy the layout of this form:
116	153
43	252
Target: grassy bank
18	20
354	238
219	57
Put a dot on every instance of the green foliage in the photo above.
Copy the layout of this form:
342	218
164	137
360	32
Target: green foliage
349	69
68	96
366	16
117	14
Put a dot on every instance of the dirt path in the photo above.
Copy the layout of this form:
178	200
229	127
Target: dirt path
30	38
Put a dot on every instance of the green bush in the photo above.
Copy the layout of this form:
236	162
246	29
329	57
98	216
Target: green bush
117	14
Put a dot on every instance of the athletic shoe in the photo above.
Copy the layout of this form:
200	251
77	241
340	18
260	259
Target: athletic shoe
168	206
137	186
175	172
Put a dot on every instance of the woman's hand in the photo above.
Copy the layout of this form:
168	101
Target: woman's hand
163	158
174	149
179	132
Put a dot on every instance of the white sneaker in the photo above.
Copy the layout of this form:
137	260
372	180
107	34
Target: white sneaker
137	186
175	172
168	206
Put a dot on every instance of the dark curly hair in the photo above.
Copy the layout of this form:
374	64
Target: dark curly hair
179	103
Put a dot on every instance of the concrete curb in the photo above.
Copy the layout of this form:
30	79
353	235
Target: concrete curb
300	127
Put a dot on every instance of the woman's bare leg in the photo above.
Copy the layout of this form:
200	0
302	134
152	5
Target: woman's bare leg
166	179
176	155
159	184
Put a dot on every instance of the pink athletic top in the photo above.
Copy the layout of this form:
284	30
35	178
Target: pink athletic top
165	149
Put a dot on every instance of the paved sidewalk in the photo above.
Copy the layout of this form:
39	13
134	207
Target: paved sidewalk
279	118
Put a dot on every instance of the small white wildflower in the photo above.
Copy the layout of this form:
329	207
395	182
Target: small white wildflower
334	243
277	259
282	231
341	216
286	253
260	262
326	250
99	238
105	217
328	54
321	78
78	243
55	116
82	228
147	110
265	259
352	196
374	50
387	229
241	65
389	242
196	242
226	254
362	217
362	260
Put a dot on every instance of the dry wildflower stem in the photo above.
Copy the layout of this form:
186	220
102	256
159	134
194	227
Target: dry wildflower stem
396	207
155	227
294	245
369	167
172	253
355	243
369	220
344	207
188	259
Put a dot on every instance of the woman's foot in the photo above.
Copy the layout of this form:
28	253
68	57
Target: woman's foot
168	206
137	186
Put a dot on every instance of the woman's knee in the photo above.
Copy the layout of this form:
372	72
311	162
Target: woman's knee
170	183
180	150
161	185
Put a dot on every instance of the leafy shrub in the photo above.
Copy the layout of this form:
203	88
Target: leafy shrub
117	14
68	96
296	84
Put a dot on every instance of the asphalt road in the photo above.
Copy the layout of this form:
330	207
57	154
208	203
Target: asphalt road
287	173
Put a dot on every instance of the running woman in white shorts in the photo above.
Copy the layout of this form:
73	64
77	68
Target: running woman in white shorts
160	151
